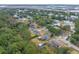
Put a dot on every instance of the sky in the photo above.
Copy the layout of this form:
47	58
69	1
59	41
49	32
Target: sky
39	1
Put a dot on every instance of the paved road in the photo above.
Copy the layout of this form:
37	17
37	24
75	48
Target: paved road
69	43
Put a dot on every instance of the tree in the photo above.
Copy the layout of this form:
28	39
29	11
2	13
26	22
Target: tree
75	39
23	30
77	26
2	50
62	50
53	30
16	47
66	28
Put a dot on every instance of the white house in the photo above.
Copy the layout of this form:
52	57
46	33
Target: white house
56	23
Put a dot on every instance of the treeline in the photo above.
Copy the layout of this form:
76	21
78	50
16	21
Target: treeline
75	37
15	36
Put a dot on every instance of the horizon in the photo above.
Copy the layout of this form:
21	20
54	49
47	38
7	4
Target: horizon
70	2
39	4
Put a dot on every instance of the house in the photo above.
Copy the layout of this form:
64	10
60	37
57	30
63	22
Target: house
56	15
73	18
41	45
45	37
29	17
50	14
32	26
61	15
55	43
71	24
56	23
16	16
66	23
34	31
